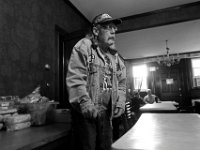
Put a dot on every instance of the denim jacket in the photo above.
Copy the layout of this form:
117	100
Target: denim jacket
85	78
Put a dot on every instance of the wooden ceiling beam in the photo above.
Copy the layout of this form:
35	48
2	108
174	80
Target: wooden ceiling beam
161	17
177	14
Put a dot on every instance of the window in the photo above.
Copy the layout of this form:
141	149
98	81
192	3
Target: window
140	73
196	72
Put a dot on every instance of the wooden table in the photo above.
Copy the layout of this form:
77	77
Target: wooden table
162	131
163	107
34	137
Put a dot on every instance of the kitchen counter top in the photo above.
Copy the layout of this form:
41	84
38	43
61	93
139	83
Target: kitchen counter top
33	137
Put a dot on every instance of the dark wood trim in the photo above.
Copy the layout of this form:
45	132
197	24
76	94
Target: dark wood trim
60	30
77	34
191	54
77	11
171	15
181	13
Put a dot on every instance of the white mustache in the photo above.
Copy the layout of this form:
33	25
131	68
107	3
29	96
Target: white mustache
111	38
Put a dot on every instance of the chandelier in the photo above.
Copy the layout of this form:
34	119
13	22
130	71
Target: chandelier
168	60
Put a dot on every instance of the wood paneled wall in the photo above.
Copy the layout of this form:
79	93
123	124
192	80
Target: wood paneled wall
184	89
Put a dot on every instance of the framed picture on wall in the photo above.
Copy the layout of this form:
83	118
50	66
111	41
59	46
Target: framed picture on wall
169	81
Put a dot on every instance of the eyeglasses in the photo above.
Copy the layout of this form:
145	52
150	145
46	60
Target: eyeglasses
109	27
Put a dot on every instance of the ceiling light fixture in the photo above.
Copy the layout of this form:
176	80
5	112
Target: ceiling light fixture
168	60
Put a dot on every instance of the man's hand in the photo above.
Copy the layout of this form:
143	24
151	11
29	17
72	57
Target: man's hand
89	111
118	112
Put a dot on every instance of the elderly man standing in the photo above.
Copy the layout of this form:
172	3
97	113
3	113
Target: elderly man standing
96	82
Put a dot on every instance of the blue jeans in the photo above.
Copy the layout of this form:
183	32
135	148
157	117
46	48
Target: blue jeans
92	134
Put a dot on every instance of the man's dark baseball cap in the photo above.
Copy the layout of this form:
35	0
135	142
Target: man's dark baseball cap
105	19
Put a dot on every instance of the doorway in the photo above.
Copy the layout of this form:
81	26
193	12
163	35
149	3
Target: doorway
170	86
64	45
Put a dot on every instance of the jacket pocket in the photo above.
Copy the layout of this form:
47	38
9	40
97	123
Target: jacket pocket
92	68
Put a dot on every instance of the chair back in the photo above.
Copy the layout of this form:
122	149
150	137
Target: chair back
128	117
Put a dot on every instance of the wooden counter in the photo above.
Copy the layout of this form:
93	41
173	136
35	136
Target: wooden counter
161	131
163	107
33	137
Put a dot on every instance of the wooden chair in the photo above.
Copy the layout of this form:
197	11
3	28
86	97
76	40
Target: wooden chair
128	117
